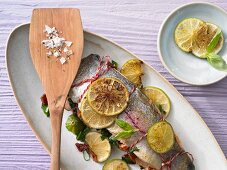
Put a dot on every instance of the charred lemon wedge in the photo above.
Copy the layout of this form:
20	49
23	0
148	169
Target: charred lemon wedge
101	148
108	96
133	71
160	137
93	119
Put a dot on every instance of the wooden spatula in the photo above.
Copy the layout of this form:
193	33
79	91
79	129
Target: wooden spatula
56	78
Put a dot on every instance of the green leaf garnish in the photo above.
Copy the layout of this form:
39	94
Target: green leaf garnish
45	110
213	43
125	134
217	61
127	159
105	134
124	125
131	150
82	134
114	64
113	141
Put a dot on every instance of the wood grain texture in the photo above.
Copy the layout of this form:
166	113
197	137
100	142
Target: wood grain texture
132	24
56	78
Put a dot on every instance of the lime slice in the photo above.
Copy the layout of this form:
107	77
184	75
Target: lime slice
93	119
133	71
158	97
203	39
160	137
101	148
115	164
186	31
108	96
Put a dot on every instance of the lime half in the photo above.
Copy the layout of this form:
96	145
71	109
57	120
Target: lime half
160	137
186	31
158	97
115	164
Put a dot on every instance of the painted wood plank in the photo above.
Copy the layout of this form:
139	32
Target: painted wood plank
132	24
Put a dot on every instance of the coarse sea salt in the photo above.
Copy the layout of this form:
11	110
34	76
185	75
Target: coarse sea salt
57	46
56	54
62	60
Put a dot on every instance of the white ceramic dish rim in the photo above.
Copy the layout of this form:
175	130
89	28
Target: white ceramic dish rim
159	41
168	83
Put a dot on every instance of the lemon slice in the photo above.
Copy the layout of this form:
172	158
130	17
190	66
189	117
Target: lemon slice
133	71
203	39
108	96
160	137
115	164
101	148
93	119
186	31
158	97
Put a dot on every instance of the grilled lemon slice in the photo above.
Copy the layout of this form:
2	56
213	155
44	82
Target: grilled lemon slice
160	137
108	96
158	97
133	71
93	119
115	164
101	148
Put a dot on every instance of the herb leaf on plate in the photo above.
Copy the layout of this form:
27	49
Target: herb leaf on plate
125	134
124	125
213	43
82	134
217	61
45	110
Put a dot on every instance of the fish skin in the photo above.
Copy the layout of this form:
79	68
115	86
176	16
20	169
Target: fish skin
139	109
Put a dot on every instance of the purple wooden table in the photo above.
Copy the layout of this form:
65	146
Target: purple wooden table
134	25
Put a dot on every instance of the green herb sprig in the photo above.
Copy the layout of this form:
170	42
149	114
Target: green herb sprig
213	59
45	110
128	130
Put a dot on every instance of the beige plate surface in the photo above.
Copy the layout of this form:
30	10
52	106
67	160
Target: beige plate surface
188	125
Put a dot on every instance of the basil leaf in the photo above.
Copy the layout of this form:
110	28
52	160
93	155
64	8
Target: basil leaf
124	125
124	134
105	134
71	103
114	64
217	61
127	159
213	43
113	141
131	150
82	134
45	109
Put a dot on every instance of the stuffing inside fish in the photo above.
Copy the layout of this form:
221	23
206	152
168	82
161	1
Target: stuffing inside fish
139	113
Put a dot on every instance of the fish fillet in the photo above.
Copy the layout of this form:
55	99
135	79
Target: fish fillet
139	113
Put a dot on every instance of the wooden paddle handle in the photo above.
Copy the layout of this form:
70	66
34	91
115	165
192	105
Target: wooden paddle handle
56	120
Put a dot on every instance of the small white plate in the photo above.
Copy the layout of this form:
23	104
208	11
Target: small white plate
184	66
194	134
